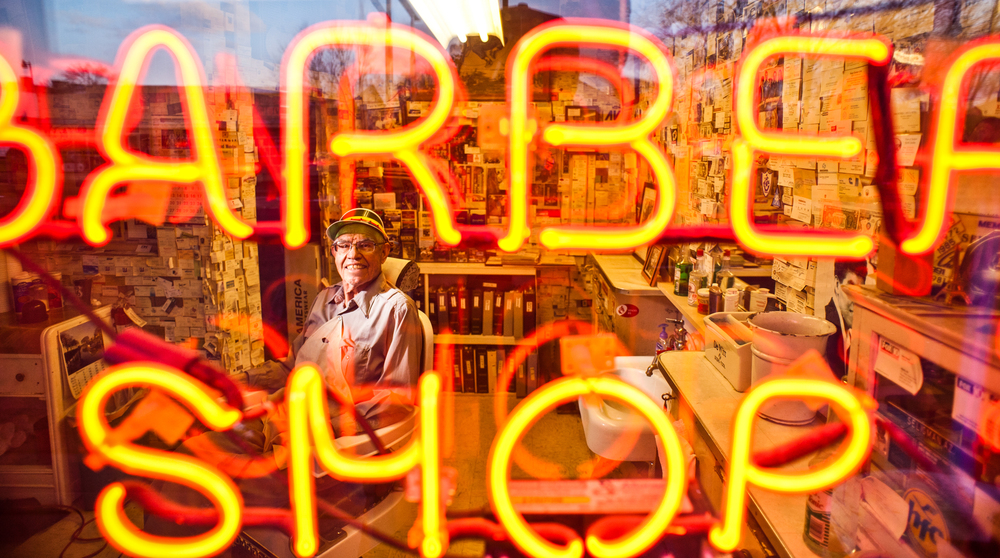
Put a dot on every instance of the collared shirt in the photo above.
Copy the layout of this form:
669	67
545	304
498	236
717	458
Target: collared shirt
382	345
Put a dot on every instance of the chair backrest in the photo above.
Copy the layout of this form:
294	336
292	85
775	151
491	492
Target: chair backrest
427	357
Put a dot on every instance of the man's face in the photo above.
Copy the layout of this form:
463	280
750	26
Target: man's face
844	304
354	267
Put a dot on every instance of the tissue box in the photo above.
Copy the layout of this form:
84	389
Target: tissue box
730	356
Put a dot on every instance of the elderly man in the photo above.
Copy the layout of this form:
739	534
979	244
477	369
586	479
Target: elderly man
362	332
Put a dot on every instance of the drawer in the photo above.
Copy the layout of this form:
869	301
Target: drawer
21	375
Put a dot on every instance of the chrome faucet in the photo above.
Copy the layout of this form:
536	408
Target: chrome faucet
677	342
655	365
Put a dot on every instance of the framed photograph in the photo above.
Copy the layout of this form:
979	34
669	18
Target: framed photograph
654	257
647	202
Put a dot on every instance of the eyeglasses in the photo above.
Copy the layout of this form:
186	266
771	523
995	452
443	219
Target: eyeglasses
363	247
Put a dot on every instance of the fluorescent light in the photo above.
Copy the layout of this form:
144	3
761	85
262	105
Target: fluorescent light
448	19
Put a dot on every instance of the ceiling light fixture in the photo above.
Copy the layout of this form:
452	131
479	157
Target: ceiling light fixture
459	18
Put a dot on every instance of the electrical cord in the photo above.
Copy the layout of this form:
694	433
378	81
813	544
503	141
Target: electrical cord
75	535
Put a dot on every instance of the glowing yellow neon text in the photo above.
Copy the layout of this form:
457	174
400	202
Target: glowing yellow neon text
44	183
530	410
522	129
742	472
105	448
752	139
403	144
310	434
947	160
128	166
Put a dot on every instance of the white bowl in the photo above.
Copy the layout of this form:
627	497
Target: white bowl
789	335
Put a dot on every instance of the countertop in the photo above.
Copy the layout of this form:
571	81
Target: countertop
713	402
21	338
624	273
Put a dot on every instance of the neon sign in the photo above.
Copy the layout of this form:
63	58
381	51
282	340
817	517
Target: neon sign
521	131
754	139
310	435
42	194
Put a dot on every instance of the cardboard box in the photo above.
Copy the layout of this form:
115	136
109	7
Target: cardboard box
903	274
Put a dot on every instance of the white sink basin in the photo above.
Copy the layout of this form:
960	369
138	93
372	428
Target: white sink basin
608	424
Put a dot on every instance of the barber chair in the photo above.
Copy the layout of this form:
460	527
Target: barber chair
379	506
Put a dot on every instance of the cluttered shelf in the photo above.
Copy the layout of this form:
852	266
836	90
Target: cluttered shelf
472	268
690	313
712	400
494	266
450	339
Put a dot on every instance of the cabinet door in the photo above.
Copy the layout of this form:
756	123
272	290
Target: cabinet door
712	477
23	375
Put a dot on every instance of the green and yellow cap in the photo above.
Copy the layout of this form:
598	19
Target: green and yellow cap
358	215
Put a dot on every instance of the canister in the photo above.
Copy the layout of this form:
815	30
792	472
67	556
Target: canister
703	301
758	300
732	300
698	279
21	285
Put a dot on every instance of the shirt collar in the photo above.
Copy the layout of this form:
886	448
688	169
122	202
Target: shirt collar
365	296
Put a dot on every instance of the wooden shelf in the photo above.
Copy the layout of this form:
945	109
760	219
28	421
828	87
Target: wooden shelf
446	338
452	268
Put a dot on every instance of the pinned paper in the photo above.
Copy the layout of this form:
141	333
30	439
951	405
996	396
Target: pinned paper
802	209
906	149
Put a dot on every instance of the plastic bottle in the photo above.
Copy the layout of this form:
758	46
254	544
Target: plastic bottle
731	300
725	277
758	300
663	342
745	297
706	265
714	299
698	281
